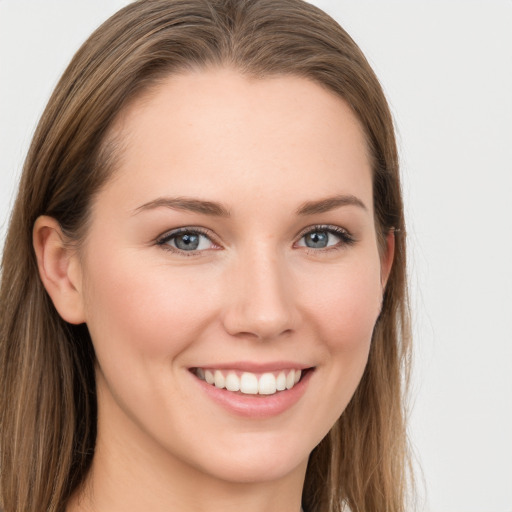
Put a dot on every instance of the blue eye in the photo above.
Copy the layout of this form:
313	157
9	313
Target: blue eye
324	237
186	240
317	239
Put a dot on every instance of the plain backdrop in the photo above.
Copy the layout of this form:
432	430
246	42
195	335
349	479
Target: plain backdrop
446	67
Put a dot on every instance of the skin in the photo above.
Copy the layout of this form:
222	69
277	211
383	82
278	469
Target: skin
253	292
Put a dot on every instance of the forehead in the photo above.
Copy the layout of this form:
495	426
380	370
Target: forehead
217	131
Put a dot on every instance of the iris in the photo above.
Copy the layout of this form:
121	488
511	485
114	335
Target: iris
317	239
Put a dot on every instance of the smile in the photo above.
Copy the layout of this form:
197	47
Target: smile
248	383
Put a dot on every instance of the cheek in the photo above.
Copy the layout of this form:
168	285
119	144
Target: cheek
135	309
345	304
342	306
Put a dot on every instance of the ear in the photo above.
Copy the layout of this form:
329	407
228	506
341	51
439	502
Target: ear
59	268
387	258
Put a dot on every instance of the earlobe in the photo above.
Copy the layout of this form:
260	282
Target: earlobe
387	258
59	269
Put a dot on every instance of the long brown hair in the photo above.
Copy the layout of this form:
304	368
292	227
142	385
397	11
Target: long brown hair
47	401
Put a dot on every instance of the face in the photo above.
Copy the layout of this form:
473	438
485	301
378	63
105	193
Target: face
231	274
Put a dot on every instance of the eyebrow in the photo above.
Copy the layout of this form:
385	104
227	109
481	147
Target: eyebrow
330	203
186	204
218	210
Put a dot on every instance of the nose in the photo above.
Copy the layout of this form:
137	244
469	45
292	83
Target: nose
260	298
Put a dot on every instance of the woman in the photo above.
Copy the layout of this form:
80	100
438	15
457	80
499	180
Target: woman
203	294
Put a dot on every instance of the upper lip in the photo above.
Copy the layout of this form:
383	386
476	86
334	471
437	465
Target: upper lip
255	367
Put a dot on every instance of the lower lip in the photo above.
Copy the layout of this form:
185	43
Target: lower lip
256	406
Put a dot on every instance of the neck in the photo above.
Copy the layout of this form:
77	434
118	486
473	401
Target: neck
127	488
130	473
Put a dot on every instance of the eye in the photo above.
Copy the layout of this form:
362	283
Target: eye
325	237
186	240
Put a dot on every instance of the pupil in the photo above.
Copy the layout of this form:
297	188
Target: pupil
187	242
318	239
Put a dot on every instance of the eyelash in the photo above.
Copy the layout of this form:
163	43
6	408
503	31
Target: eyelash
163	240
346	239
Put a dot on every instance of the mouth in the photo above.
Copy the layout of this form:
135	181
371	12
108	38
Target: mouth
249	383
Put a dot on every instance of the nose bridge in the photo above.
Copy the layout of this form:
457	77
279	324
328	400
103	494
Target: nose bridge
261	296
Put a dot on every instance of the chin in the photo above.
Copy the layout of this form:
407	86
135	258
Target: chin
260	459
257	470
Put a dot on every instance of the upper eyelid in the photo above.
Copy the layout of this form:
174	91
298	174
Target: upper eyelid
167	235
165	238
346	238
322	227
186	229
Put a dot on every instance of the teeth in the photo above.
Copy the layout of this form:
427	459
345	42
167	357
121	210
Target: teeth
232	382
219	379
281	382
290	380
249	383
267	384
208	377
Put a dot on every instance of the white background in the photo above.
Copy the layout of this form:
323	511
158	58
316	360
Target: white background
446	67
